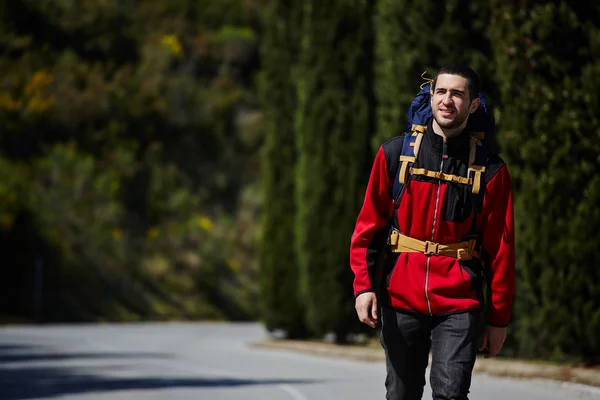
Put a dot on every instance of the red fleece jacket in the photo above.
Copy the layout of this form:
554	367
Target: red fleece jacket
441	212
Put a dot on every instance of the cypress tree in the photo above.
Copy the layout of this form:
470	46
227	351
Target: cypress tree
414	37
280	303
334	120
548	77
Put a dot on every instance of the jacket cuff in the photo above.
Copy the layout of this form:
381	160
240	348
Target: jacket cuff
497	318
497	325
363	291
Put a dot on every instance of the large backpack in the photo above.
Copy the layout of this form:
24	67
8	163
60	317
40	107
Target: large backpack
481	126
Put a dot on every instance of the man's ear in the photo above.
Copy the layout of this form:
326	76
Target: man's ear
474	105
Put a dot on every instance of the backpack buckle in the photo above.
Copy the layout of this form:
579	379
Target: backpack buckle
464	254
432	248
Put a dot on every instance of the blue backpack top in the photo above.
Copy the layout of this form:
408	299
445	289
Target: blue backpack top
480	125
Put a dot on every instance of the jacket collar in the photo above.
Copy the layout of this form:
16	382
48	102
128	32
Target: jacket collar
454	145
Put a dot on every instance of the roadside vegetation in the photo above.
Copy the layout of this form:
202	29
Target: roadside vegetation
205	160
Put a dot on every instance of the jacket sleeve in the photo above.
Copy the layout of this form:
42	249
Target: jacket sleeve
498	240
371	225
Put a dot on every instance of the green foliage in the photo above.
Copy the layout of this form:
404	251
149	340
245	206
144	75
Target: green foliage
77	211
546	70
333	124
130	130
136	172
281	305
418	37
13	190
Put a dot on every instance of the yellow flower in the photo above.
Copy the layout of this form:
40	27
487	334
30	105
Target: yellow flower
173	44
116	233
35	92
204	223
34	95
38	82
8	103
233	265
152	233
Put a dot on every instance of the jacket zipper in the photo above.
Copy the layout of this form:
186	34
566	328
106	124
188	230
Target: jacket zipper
437	202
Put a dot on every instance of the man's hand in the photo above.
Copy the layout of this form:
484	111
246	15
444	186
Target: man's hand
493	339
366	308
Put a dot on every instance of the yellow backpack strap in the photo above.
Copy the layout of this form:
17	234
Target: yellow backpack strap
404	170
419	128
477	170
441	175
418	141
405	160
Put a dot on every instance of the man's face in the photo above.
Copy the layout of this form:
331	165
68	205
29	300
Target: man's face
450	101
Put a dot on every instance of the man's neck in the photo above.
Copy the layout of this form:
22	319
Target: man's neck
447	133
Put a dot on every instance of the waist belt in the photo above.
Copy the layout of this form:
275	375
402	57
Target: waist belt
463	251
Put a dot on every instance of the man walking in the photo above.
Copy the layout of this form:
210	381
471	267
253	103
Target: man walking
450	214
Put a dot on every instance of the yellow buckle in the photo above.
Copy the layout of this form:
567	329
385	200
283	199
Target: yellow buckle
463	255
468	253
431	249
394	238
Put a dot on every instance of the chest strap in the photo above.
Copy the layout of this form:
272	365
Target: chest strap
409	158
441	175
463	251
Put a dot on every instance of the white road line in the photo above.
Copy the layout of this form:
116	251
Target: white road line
296	395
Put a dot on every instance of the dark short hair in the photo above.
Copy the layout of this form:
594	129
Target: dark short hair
473	81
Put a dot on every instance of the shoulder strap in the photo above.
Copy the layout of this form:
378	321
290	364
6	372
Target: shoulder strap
410	152
407	158
477	160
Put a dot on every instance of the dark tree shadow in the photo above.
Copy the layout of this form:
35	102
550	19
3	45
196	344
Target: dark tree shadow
21	378
20	354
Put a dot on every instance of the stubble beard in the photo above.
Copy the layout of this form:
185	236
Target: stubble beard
451	124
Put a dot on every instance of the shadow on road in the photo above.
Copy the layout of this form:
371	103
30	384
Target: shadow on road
19	353
22	376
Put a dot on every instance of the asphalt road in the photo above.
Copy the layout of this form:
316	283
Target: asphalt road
202	361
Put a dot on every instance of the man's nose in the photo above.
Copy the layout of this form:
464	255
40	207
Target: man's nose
447	99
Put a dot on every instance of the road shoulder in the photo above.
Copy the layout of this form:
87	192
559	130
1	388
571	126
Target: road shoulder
496	366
